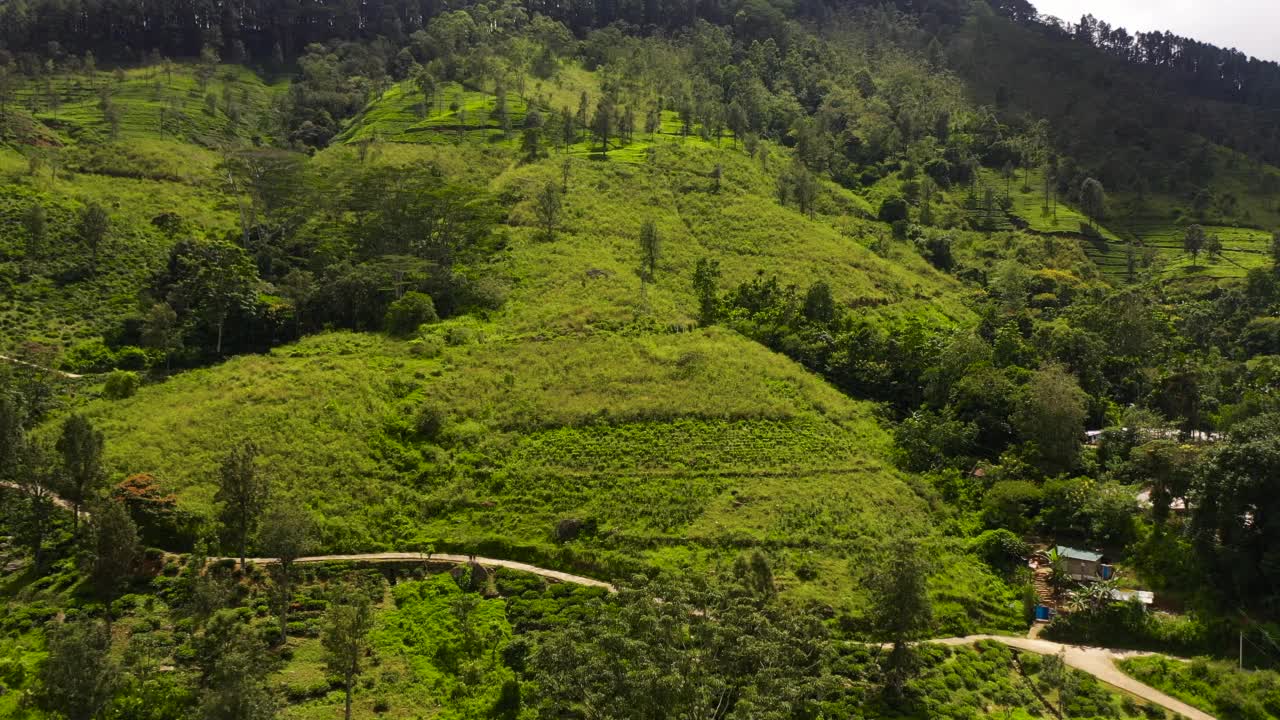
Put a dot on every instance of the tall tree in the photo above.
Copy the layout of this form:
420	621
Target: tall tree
78	677
650	249
602	125
901	608
209	279
34	220
706	280
161	331
234	668
346	639
242	492
80	447
548	205
425	81
1234	533
94	225
114	551
1051	415
1193	241
286	536
1093	199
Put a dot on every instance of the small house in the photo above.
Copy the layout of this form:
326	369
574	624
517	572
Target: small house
1085	566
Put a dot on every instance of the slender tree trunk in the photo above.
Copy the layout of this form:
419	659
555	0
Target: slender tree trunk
285	591
348	711
221	322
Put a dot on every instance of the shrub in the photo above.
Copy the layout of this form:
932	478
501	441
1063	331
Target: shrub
460	335
1000	548
407	314
121	384
893	209
571	528
381	705
431	420
131	357
90	357
428	346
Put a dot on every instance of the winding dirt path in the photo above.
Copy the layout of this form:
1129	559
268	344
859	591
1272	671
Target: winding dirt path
446	558
24	363
1098	662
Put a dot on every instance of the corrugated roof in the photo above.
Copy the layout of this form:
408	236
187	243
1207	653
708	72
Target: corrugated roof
1074	554
1146	597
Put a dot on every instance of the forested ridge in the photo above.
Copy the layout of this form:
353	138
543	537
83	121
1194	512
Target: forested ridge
804	325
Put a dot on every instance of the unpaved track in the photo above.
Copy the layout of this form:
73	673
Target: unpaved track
24	363
1098	662
446	558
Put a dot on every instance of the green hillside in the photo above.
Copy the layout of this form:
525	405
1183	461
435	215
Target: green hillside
810	329
741	449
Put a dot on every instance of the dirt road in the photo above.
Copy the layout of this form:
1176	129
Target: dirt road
59	373
396	557
1098	662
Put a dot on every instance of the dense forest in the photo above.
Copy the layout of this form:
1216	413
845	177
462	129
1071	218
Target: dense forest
634	359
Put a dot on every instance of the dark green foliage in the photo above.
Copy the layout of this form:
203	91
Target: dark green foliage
121	384
893	209
94	225
80	447
288	533
650	250
115	550
242	492
206	281
1194	241
345	639
750	655
706	284
1235	495
233	665
412	310
1052	415
77	679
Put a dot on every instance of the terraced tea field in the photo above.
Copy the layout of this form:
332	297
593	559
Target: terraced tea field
153	102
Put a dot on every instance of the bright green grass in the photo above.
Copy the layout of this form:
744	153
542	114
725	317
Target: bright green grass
155	104
1029	206
1245	248
460	114
586	278
26	651
420	660
685	449
455	112
1215	687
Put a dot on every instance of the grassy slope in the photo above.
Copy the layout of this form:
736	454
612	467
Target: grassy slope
147	171
154	104
1157	223
1215	687
579	402
666	178
685	449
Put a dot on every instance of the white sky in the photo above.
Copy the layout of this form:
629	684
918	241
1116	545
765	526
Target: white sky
1251	26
